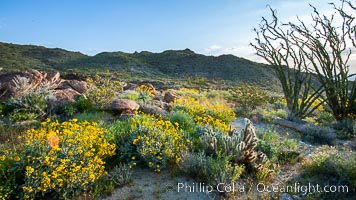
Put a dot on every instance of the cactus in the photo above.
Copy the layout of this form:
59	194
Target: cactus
232	132
240	146
209	140
209	144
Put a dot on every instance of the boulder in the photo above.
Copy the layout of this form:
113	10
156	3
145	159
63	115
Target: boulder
162	104
170	96
60	98
74	76
124	106
79	86
61	91
158	94
63	97
17	83
152	109
53	78
129	86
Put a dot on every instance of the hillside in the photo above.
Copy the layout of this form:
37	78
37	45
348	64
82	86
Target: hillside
15	57
170	64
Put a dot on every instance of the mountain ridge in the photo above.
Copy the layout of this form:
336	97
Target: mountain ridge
175	64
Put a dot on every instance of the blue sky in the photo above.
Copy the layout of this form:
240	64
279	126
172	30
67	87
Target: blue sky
210	27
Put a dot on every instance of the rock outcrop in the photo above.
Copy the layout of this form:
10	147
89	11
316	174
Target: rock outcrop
79	86
152	109
19	83
170	96
124	106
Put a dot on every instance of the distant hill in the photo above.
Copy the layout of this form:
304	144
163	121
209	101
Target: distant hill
15	57
170	64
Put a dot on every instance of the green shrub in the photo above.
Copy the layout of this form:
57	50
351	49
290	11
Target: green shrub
70	110
268	148
279	105
319	135
281	113
287	152
325	118
277	148
1	109
210	170
269	136
83	104
91	116
243	112
22	116
120	174
120	131
248	96
146	93
104	186
217	95
346	128
185	121
268	115
330	167
189	92
131	95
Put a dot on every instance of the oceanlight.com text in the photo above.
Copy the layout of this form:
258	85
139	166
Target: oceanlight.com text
261	187
304	189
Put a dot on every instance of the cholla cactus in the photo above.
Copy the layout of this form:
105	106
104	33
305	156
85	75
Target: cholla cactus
209	142
240	146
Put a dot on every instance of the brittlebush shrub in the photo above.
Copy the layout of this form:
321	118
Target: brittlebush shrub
10	168
146	89
102	90
218	116
154	141
249	97
63	159
146	93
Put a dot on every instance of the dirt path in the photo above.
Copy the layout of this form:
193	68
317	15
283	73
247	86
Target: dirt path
148	185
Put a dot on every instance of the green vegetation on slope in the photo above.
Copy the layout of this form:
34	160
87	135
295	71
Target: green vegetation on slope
170	64
17	57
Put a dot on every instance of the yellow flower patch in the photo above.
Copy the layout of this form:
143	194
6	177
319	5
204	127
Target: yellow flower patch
156	141
205	113
64	155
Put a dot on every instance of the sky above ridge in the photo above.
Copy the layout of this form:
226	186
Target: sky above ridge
210	27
